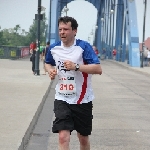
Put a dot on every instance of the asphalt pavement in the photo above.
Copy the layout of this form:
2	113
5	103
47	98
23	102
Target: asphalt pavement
22	96
121	108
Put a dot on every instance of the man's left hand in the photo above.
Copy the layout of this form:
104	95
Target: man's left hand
69	65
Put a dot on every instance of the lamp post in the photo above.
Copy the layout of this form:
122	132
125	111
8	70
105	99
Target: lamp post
102	35
112	12
110	34
94	27
106	27
119	30
144	18
89	37
38	17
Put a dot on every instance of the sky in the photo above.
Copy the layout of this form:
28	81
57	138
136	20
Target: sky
22	12
140	14
86	18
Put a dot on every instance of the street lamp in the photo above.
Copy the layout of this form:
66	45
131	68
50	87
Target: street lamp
111	11
89	37
38	17
120	45
107	14
102	33
106	21
94	28
102	19
66	9
43	8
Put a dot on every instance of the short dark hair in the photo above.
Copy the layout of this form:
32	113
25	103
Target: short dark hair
67	19
48	43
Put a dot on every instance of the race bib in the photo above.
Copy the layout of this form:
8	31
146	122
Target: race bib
67	86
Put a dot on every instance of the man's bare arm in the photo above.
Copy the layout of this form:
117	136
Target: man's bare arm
49	67
51	71
91	69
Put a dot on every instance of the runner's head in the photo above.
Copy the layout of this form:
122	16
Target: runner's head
67	19
67	30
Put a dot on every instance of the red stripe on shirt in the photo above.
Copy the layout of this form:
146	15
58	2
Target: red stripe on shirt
84	87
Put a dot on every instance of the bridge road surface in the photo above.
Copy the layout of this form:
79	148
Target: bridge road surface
22	96
121	113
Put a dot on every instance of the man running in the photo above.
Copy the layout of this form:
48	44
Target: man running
74	62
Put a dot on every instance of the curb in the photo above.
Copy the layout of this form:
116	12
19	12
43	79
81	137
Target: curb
30	129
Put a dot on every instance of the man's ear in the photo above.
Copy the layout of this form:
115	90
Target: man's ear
75	31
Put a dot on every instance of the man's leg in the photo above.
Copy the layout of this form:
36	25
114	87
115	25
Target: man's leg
63	123
83	123
64	139
84	142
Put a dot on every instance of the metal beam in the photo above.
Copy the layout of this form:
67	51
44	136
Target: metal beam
133	35
119	29
108	28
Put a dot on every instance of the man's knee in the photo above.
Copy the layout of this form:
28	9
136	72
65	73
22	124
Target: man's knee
64	137
84	140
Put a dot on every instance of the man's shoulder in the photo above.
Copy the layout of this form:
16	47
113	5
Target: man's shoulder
55	44
83	44
80	42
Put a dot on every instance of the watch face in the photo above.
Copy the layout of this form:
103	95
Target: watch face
77	67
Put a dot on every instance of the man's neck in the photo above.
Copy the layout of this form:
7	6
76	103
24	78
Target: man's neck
69	44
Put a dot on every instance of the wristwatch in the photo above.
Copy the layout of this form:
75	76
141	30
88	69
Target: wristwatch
77	67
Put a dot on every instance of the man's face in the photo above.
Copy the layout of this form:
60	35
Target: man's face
66	33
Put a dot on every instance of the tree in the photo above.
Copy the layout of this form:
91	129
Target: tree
23	32
33	30
2	40
17	28
12	37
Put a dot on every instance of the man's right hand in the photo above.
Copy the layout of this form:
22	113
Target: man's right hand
52	73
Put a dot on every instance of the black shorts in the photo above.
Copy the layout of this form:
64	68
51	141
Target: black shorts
73	117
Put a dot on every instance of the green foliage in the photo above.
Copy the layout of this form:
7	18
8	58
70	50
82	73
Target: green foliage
2	40
33	30
19	37
1	52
